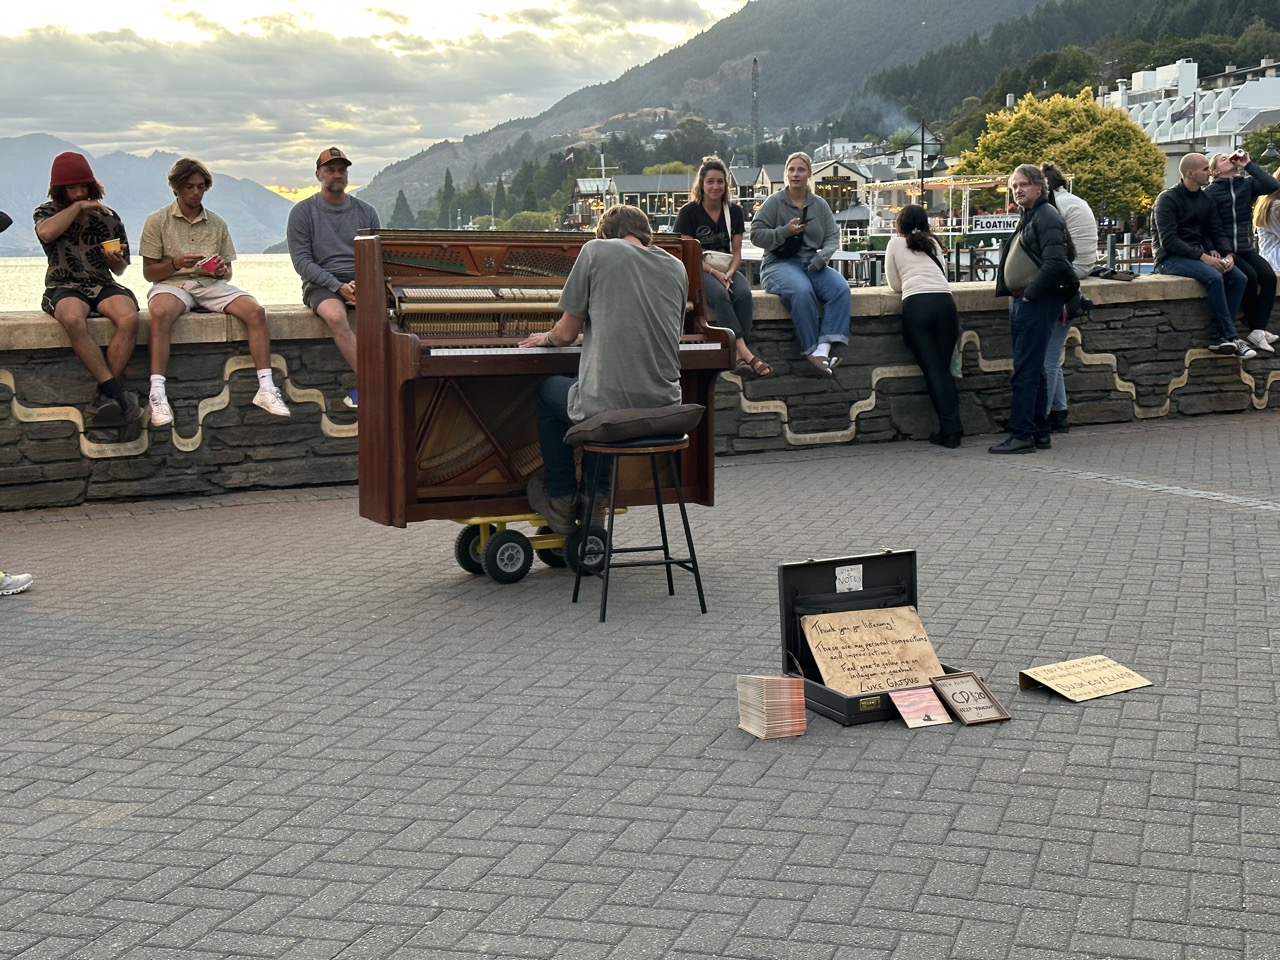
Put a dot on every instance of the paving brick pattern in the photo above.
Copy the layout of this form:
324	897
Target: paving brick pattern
256	725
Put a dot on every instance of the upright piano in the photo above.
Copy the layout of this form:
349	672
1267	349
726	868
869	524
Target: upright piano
446	411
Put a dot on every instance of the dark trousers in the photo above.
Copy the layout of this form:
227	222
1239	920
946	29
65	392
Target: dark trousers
1260	291
1030	323
551	407
931	327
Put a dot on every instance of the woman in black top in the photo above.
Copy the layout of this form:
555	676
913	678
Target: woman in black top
718	225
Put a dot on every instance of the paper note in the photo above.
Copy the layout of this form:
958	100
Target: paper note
920	706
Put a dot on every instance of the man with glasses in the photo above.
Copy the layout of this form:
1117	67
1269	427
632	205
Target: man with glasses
186	254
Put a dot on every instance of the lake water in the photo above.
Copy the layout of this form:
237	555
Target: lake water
268	276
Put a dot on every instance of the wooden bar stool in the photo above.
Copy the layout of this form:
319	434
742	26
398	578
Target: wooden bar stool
653	448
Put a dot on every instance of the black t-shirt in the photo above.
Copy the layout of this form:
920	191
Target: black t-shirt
694	221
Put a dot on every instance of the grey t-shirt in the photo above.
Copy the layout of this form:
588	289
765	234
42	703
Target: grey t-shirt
632	299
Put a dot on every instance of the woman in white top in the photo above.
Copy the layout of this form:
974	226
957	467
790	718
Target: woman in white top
1266	217
930	321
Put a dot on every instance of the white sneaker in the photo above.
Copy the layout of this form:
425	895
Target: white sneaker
11	583
1244	351
1271	337
269	399
1258	339
161	412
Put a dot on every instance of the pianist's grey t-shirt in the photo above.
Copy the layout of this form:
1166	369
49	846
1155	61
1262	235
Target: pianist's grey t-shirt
633	301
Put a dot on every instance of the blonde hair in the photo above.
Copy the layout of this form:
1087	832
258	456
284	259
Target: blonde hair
1262	207
1215	160
800	155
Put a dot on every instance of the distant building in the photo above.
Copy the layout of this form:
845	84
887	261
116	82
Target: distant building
1183	114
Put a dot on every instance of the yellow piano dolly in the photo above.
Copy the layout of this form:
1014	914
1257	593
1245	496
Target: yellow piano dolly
484	545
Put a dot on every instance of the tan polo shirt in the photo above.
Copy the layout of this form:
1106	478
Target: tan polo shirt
167	233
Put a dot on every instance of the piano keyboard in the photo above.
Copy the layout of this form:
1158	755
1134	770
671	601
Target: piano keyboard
509	350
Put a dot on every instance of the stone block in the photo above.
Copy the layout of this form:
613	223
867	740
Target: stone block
36	495
1198	403
50	451
767	425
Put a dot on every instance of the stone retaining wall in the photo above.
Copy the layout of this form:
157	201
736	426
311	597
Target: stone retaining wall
1139	356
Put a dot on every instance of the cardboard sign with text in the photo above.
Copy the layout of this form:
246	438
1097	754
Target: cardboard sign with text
864	651
1083	679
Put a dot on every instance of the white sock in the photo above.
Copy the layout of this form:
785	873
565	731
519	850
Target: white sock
157	386
1258	334
265	380
822	350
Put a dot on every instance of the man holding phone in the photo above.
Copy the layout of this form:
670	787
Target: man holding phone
186	254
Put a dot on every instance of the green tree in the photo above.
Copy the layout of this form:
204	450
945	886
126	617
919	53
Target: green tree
445	197
401	216
499	199
532	220
672	166
1118	171
528	202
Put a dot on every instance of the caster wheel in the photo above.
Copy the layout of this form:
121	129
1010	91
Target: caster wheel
596	539
466	549
551	556
508	556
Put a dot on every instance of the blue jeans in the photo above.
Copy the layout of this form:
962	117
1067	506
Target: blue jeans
1055	386
551	406
803	292
1223	291
1031	324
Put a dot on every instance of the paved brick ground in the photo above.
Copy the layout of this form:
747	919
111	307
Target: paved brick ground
258	726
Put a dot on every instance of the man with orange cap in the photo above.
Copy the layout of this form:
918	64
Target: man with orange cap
87	249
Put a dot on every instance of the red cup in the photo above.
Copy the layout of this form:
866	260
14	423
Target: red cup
208	264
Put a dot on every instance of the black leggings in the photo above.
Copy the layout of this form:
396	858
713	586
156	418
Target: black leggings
931	327
1260	291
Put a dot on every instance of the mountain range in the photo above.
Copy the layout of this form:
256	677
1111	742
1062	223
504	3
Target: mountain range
813	57
135	186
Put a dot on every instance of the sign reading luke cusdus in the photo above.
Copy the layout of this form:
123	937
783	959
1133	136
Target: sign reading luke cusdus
866	651
1083	679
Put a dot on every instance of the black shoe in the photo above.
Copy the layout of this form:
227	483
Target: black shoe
104	412
1014	445
948	440
132	408
1043	443
1058	421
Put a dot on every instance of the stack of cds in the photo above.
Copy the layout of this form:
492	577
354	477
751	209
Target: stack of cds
771	707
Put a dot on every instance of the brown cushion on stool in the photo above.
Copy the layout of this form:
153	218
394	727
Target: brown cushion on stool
636	422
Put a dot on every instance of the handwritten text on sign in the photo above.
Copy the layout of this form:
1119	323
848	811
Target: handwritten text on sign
1083	679
861	651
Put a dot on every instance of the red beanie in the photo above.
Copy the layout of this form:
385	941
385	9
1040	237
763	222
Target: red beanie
70	169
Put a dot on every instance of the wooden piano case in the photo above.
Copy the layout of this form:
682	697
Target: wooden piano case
446	411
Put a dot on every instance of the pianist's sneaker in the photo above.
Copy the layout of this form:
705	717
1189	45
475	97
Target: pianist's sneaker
11	583
561	512
269	399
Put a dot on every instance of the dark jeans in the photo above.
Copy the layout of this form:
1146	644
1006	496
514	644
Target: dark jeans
1030	323
931	327
1222	290
732	307
559	469
1260	291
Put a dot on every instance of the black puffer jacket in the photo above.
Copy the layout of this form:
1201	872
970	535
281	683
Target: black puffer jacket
1043	235
1234	197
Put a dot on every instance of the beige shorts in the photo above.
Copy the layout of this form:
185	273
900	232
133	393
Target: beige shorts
214	296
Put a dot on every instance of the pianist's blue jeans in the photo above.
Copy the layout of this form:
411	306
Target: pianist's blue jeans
559	470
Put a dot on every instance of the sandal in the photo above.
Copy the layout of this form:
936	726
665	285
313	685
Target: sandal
822	365
753	368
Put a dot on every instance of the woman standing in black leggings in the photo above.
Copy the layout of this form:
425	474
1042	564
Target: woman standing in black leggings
930	321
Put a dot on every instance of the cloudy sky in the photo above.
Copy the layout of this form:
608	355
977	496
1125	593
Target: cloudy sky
257	88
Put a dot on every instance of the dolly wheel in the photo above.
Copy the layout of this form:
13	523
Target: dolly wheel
466	549
508	556
596	539
551	556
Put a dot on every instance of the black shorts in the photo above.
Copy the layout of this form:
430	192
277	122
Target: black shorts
318	295
109	290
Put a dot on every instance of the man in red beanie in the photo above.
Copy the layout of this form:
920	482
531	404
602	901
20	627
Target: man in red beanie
87	249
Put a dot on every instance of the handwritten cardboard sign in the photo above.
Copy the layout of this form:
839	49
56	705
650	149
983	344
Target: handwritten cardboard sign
1083	679
864	651
969	699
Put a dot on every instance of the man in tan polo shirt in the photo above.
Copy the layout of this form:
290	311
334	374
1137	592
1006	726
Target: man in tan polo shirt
187	253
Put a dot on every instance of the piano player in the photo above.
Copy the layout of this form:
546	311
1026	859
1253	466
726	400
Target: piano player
626	298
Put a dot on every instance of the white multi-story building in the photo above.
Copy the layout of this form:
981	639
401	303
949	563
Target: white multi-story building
1182	114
